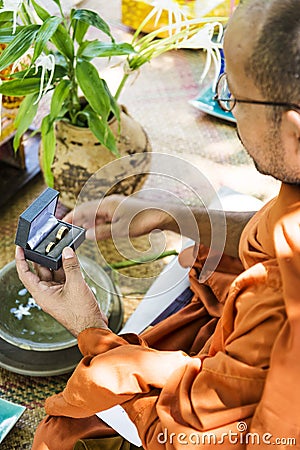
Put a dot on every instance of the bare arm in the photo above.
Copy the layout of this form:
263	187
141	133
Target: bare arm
209	221
125	216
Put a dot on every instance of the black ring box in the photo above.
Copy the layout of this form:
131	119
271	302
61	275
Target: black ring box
38	227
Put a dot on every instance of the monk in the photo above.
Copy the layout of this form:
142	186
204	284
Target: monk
225	369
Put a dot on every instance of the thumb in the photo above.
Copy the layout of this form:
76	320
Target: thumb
71	265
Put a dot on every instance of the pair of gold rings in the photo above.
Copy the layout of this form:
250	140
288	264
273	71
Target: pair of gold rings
61	233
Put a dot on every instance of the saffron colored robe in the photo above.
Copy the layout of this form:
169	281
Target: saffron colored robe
197	378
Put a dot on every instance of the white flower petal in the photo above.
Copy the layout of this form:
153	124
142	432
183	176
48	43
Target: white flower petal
24	310
22	292
172	8
46	62
204	39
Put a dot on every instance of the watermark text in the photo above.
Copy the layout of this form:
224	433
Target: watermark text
241	436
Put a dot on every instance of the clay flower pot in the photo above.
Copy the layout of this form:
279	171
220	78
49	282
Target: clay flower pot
79	155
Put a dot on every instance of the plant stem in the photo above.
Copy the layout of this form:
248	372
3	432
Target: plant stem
62	15
73	96
131	263
121	85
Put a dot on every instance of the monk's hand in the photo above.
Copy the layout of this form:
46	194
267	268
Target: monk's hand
63	294
118	216
287	245
95	216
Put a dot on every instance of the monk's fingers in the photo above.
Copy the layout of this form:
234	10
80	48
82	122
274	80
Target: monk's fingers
59	275
28	278
43	273
49	276
77	216
69	217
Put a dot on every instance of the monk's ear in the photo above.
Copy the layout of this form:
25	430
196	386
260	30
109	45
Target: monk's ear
291	129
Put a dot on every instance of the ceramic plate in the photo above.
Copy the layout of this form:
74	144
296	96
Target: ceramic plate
33	363
205	103
30	362
25	325
9	415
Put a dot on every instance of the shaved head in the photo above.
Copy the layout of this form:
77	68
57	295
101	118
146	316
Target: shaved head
262	53
274	64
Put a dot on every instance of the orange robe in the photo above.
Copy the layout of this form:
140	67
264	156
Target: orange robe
197	378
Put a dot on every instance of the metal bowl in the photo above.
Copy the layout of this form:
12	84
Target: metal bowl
25	325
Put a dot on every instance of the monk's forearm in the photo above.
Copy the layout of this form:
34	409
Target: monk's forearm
202	225
137	217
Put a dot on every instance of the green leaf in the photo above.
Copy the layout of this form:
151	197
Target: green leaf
48	140
26	18
113	104
93	49
25	116
41	12
44	34
20	87
6	35
101	130
80	29
61	39
63	42
60	94
91	18
6	16
63	112
18	46
93	88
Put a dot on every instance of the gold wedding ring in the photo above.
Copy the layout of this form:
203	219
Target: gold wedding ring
61	233
49	247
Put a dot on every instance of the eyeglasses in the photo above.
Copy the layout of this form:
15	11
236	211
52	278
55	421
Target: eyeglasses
227	102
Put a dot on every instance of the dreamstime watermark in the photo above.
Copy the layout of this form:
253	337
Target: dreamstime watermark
240	437
176	186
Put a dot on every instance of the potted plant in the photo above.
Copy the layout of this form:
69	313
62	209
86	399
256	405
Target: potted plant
62	61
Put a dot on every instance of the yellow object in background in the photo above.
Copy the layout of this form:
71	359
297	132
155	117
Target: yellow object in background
9	107
135	11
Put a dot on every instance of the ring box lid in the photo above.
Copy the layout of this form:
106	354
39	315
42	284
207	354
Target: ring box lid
37	220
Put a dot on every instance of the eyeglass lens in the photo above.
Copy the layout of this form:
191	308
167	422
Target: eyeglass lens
223	94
